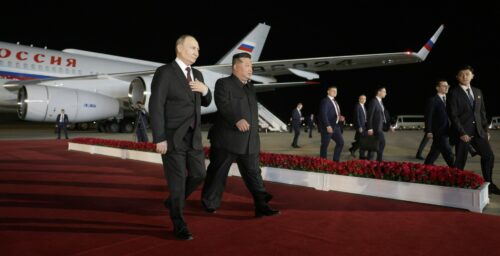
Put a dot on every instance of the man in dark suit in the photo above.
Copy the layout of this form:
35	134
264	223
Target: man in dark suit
234	137
329	122
437	125
141	123
377	119
467	112
360	126
62	122
177	94
296	121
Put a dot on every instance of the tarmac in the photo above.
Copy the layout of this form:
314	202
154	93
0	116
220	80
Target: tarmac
401	145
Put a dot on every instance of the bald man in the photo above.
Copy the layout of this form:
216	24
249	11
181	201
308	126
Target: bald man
177	94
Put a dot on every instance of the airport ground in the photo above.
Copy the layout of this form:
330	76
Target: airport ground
400	146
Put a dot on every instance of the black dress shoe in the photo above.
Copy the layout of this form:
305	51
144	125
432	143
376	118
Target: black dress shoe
493	189
420	157
208	209
352	152
183	233
266	211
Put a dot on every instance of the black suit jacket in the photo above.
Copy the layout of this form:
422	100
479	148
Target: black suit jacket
172	106
464	118
235	101
375	116
327	115
296	117
436	117
66	120
359	117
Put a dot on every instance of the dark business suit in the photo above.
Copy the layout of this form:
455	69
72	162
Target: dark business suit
296	120
470	119
377	118
437	123
310	125
62	125
328	117
359	122
173	110
235	101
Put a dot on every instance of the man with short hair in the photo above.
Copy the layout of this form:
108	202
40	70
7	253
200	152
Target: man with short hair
62	122
329	123
360	126
467	112
437	125
234	137
177	94
296	121
377	121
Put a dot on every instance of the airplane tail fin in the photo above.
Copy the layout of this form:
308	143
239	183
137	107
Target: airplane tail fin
422	54
252	43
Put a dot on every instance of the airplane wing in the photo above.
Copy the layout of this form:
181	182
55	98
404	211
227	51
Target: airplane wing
263	87
124	76
307	67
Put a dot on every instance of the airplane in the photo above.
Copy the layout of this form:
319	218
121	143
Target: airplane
91	86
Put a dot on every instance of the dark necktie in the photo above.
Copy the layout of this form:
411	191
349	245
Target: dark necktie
188	69
471	99
444	100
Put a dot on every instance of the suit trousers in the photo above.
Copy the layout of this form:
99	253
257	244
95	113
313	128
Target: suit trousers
440	145
184	170
296	130
483	148
325	141
65	129
381	146
217	172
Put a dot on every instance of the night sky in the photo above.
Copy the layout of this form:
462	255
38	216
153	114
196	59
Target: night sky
148	31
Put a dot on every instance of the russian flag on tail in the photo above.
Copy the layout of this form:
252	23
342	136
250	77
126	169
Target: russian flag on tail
429	45
246	46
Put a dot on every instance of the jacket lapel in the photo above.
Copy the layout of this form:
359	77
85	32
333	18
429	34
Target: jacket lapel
182	78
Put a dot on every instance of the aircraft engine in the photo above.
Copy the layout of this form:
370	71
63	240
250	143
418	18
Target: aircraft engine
44	103
140	90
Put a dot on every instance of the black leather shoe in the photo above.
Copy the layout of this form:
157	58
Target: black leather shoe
493	189
266	211
183	233
208	209
352	152
420	157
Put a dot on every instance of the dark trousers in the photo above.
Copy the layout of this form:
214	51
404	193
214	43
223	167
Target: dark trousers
440	145
381	146
355	144
59	127
311	128
141	133
422	145
296	130
218	169
184	170
483	148
325	141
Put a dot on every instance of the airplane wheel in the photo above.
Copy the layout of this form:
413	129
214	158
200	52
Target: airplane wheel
113	127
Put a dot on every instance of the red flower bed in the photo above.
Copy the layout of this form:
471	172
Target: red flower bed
396	171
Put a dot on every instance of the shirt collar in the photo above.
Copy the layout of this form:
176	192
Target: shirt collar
182	65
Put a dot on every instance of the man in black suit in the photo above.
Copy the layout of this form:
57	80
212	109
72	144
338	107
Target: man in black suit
311	124
177	94
62	122
234	137
360	126
467	112
296	121
329	123
437	126
377	119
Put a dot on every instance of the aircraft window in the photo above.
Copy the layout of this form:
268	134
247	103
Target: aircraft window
60	70
67	71
40	67
53	69
25	66
47	68
33	66
10	63
18	65
1	62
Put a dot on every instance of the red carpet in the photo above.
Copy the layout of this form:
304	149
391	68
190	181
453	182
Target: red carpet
59	202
